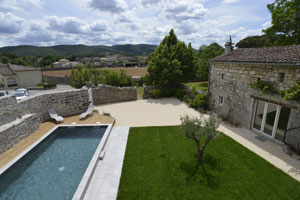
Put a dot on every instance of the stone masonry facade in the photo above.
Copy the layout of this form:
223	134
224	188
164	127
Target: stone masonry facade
16	132
232	97
65	103
109	94
8	109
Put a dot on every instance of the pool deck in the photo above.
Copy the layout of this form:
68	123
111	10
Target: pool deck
44	128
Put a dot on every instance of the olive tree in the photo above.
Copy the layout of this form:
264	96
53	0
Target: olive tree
197	128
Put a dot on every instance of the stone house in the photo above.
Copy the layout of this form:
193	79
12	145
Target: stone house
19	76
232	97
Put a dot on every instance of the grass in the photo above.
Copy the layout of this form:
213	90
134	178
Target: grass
198	85
140	92
160	163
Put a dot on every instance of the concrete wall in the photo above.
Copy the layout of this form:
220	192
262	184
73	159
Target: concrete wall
29	78
109	94
57	79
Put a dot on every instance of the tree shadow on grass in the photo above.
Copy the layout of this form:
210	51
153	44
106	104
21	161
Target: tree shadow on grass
202	173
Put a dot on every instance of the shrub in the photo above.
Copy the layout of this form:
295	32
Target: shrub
80	76
180	93
47	85
293	93
125	80
155	93
264	86
199	101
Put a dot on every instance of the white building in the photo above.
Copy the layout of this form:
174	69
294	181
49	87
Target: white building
19	76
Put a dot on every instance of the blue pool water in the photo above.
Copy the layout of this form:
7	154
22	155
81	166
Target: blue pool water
54	168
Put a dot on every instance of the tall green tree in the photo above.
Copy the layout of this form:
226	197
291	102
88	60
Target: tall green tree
285	22
172	62
204	54
252	42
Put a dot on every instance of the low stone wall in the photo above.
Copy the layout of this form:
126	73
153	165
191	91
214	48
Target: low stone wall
8	109
57	79
15	132
109	94
65	103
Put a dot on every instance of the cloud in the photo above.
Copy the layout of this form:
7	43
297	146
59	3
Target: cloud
9	23
112	6
230	1
185	10
99	26
66	25
149	2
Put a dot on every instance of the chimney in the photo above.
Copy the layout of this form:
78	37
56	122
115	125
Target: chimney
228	47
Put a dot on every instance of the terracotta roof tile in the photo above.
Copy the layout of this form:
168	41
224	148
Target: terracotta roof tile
278	54
5	70
22	68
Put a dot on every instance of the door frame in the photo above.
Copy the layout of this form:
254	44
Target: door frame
261	131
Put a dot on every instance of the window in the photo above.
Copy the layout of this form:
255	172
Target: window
281	77
222	76
221	100
258	79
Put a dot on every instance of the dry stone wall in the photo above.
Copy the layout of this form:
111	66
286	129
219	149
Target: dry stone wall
8	109
65	103
109	94
11	134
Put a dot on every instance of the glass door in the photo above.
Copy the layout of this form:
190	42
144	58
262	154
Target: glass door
271	113
259	114
271	119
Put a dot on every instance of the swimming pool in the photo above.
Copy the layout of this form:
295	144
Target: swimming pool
55	167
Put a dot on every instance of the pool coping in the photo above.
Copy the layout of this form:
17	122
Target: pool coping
85	180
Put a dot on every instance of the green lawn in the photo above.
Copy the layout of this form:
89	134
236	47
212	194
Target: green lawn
140	92
198	85
160	163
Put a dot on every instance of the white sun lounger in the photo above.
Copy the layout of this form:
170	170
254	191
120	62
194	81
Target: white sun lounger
88	112
54	115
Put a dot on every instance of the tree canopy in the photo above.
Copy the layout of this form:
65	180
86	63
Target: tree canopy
252	42
204	54
285	22
172	62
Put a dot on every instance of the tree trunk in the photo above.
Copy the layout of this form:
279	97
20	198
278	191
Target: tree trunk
200	156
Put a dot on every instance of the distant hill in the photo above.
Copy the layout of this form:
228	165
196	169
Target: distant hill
68	50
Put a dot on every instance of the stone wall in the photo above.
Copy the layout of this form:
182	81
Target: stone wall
8	109
65	103
232	82
57	79
12	133
108	94
235	88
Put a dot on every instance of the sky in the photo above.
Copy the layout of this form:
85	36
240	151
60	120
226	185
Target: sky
110	22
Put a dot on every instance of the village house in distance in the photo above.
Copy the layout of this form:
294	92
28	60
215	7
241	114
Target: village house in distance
232	96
